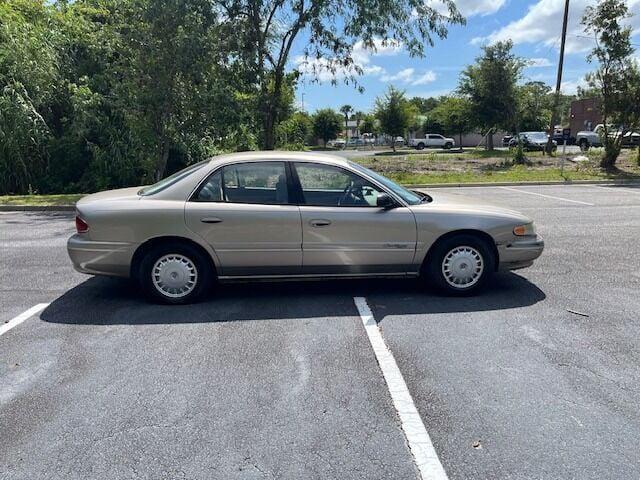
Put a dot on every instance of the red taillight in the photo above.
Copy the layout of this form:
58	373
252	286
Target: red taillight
81	225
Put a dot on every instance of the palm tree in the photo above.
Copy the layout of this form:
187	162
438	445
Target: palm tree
346	110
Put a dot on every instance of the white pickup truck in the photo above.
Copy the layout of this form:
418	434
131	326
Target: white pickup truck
432	140
588	138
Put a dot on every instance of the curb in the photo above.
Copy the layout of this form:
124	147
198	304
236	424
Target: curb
37	208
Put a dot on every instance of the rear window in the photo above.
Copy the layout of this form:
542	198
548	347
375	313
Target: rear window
171	179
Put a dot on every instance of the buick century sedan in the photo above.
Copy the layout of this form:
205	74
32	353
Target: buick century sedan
284	215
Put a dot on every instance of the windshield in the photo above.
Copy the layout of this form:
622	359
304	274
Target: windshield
171	179
536	136
407	195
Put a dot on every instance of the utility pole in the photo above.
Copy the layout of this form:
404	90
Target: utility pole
556	100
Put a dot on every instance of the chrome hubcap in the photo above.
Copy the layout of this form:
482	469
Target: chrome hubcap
462	267
174	275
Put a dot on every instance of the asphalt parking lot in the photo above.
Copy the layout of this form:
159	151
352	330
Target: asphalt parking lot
538	377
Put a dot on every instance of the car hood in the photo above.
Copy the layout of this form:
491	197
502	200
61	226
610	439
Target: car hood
130	193
459	203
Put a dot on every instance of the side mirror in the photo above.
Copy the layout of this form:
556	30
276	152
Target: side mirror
385	201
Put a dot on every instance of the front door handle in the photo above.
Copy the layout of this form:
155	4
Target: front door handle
320	222
211	220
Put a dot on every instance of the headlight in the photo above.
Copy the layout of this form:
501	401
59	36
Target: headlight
524	230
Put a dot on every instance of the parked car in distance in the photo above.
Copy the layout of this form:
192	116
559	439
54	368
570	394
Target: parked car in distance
355	142
432	140
337	143
532	141
506	139
284	215
399	141
593	138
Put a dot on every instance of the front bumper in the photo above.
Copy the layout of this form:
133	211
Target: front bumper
520	253
100	258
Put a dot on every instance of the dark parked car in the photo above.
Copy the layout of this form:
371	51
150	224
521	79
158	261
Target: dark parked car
532	141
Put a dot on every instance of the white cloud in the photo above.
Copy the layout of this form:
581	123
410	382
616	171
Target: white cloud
427	77
539	62
543	24
405	75
570	87
469	8
327	69
408	76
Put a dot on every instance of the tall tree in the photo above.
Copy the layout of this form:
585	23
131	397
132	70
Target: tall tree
267	30
394	113
326	124
346	111
617	79
490	85
455	114
534	103
358	116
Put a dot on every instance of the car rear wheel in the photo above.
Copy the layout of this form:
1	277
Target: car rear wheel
175	274
420	146
461	264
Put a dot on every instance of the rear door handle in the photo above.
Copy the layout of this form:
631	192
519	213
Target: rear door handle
320	222
211	220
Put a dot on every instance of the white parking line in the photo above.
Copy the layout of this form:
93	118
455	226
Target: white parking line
424	455
14	322
547	196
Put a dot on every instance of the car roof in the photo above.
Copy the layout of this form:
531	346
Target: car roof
272	155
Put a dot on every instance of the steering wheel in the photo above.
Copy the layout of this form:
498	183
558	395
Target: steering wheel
351	195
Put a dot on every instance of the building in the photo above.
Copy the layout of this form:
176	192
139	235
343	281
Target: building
585	115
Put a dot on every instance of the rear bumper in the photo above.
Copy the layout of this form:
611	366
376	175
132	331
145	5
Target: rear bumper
100	258
520	254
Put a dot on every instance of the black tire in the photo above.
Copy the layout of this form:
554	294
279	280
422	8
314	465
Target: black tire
433	269
201	263
584	144
448	146
420	146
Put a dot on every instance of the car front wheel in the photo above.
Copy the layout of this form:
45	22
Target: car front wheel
448	146
461	264
175	274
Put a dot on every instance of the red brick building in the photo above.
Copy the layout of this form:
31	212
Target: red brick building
585	115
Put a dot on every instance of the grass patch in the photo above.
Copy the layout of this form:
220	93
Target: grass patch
516	173
41	200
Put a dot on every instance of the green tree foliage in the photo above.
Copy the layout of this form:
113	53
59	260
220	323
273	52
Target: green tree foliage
369	124
491	86
617	78
534	103
455	115
394	113
99	94
295	132
327	124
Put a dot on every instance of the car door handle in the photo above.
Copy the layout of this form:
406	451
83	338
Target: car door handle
320	222
211	220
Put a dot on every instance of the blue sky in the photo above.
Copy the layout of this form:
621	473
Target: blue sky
533	25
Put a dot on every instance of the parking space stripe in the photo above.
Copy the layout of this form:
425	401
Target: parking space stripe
424	455
14	322
547	196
